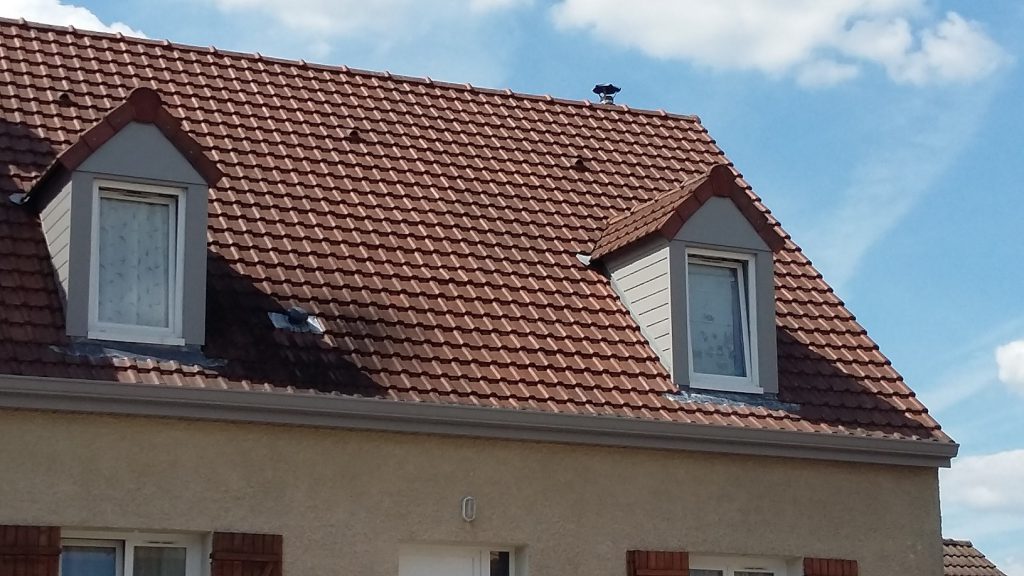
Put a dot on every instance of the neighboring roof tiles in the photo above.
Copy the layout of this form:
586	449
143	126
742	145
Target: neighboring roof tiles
961	558
439	248
666	214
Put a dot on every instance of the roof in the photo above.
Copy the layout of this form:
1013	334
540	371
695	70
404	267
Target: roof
433	227
665	214
961	558
144	106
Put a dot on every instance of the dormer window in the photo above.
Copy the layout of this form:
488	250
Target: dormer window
695	268
124	211
721	311
137	271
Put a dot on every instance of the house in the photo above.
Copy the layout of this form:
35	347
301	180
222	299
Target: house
961	558
260	316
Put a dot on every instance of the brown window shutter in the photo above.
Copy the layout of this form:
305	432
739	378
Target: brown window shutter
237	554
652	563
29	550
827	567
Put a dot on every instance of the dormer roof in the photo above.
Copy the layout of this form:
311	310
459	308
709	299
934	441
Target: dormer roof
145	106
666	213
438	249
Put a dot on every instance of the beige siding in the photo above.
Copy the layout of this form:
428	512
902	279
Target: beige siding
641	279
56	220
346	501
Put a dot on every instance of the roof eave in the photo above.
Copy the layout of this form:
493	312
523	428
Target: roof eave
87	396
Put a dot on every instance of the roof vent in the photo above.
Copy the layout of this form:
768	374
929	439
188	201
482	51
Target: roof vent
297	319
297	316
607	92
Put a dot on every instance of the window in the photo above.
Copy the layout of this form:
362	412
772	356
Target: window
455	561
720	314
738	566
134	554
137	261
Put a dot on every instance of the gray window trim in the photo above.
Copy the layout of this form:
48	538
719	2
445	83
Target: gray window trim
746	267
176	198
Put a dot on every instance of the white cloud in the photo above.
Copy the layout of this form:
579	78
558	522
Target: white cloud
1012	566
819	43
822	73
982	501
1010	359
987	484
55	12
956	50
489	5
341	18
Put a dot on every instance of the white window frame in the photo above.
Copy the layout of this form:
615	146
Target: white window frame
729	565
125	543
172	335
483	559
745	266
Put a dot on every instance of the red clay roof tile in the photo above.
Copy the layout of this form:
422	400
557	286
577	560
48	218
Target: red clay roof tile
666	214
438	247
961	558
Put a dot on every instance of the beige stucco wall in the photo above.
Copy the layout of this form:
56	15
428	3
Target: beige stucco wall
344	500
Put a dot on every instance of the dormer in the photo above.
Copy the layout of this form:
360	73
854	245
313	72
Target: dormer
695	268
124	212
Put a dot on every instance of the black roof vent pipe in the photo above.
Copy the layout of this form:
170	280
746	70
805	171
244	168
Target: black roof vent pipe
607	92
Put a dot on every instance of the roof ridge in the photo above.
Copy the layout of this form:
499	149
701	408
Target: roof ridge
425	80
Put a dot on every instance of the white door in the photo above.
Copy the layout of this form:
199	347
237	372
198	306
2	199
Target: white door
453	561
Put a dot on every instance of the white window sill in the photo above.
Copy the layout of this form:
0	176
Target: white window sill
139	338
724	384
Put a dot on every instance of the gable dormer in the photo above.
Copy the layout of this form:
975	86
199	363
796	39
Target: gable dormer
124	212
695	268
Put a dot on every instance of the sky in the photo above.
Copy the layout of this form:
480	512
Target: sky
885	135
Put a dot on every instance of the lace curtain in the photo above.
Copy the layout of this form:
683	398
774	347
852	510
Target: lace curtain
134	262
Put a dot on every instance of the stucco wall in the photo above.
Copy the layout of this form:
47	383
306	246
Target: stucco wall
344	501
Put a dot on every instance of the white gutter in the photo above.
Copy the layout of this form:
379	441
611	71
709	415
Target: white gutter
67	395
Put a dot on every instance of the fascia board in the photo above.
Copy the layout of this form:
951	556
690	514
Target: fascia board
86	396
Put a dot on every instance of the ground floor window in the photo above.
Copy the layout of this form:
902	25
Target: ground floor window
455	561
130	554
740	566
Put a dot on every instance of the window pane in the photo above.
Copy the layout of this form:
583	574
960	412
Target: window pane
158	561
755	573
134	260
697	572
716	325
88	561
500	564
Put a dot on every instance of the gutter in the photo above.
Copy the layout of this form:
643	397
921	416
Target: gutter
96	397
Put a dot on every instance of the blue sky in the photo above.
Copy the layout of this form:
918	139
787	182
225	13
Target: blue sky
884	134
